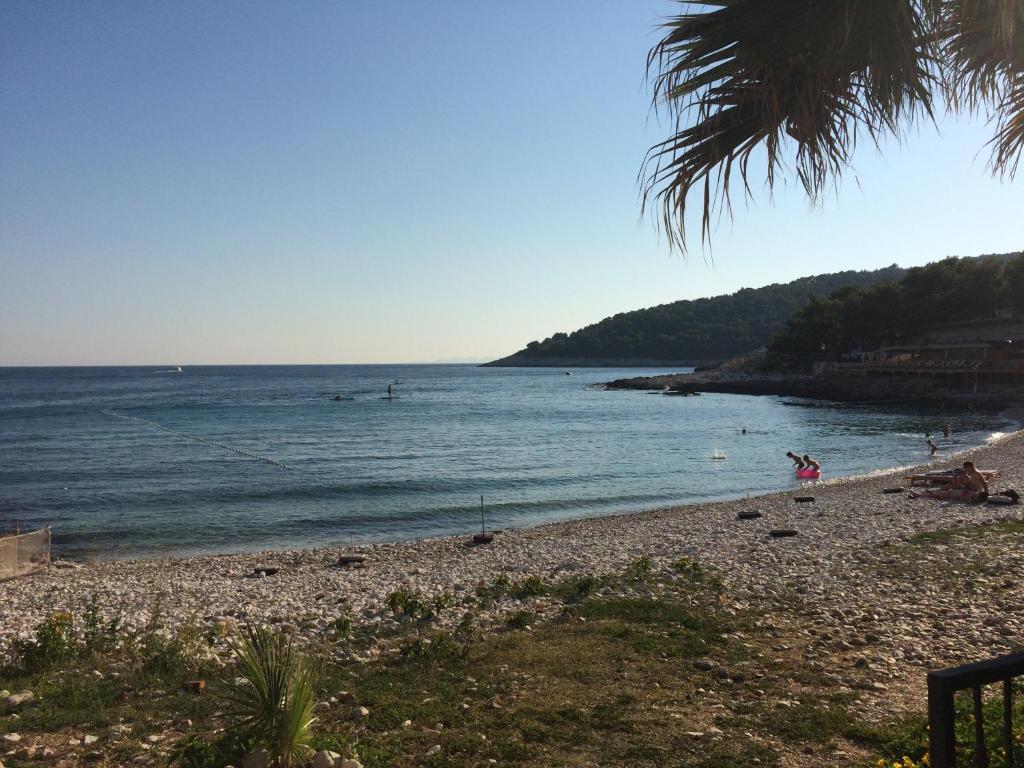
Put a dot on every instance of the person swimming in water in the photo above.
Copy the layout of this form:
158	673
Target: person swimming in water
796	459
811	463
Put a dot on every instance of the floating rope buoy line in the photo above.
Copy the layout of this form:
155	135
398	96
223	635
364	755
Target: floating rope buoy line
198	439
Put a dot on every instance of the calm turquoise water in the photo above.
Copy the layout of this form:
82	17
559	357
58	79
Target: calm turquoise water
539	445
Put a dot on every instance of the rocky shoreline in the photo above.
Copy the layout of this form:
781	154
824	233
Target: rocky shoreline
523	361
848	520
838	388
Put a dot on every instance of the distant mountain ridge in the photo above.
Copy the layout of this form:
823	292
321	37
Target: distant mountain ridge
691	332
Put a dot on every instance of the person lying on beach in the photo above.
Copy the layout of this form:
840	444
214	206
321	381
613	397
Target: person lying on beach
796	459
949	494
811	463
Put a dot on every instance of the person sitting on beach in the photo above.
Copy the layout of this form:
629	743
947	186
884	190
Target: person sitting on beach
796	459
811	463
967	484
974	480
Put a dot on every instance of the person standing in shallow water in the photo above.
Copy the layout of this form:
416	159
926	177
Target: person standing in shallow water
389	390
811	463
932	448
796	459
945	430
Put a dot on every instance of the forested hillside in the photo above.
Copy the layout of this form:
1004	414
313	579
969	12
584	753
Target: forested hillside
864	318
699	330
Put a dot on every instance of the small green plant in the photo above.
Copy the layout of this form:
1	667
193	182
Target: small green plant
491	593
441	647
530	586
468	628
54	642
687	567
442	601
99	636
409	602
193	751
579	588
274	695
519	619
640	569
342	624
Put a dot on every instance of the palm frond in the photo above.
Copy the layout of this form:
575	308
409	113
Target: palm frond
274	698
983	64
810	76
1009	139
982	42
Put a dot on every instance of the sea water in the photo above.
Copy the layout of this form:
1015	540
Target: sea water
143	462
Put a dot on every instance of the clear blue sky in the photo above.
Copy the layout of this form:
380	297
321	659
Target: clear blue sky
387	181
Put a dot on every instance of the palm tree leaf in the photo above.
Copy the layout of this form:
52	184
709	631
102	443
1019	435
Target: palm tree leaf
1009	139
801	78
983	55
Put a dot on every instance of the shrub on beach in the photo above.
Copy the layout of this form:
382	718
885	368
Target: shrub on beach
579	588
273	696
409	602
54	642
530	586
519	619
640	569
688	567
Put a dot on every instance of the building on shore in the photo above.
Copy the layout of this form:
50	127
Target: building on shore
968	357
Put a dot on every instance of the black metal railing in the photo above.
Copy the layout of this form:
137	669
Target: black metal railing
943	686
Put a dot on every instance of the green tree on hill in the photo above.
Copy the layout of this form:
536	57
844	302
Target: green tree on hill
948	291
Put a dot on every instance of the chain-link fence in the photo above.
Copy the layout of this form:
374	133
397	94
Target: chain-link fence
24	553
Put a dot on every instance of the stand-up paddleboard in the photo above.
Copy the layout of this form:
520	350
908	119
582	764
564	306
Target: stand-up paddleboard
391	397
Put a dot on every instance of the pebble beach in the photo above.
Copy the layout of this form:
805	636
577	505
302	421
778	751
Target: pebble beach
828	572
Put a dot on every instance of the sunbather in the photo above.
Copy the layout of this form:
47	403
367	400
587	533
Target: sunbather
966	484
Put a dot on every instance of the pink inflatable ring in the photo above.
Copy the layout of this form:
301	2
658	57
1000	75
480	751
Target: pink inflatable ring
808	473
